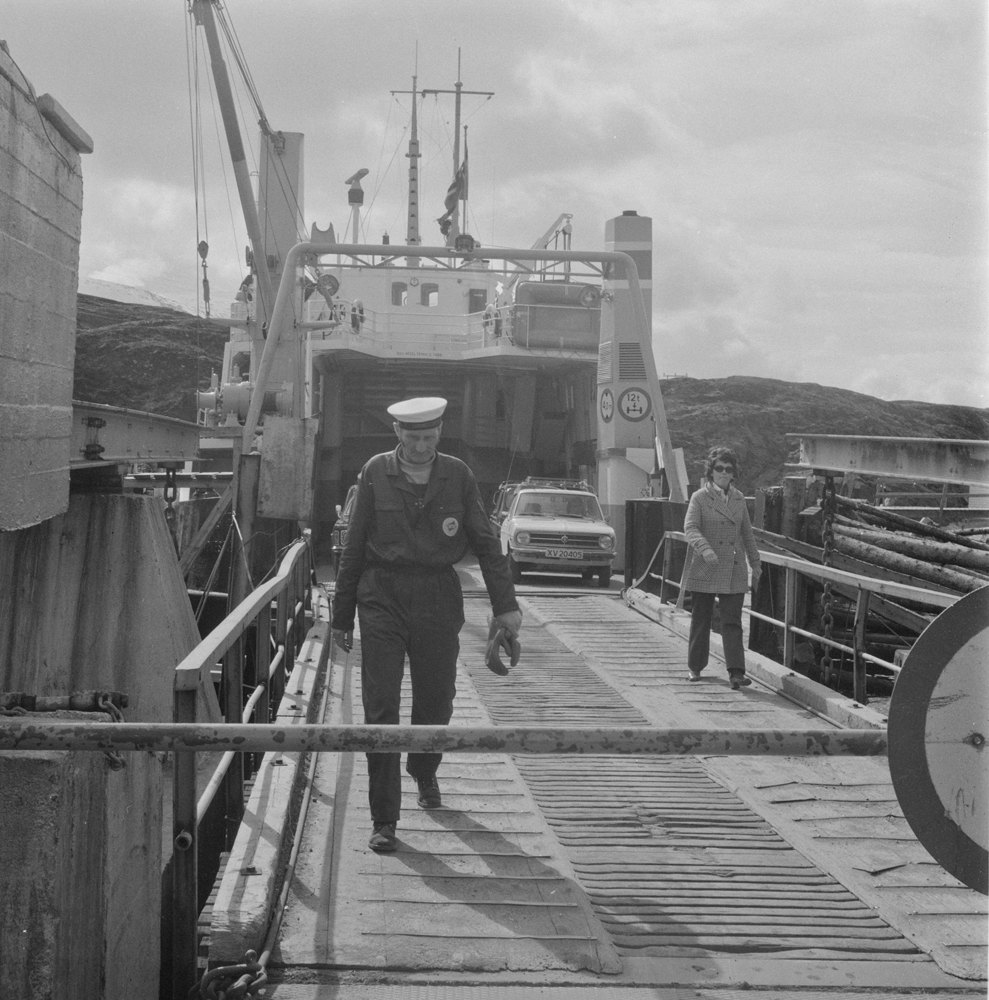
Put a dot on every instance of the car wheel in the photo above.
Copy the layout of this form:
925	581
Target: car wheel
604	576
516	568
587	574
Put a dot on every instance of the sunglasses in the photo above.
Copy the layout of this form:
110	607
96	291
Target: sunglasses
723	468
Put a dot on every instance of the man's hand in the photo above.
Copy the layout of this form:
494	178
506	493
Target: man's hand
512	620
756	577
710	557
343	638
501	639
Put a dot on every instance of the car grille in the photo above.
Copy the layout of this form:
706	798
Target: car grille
561	539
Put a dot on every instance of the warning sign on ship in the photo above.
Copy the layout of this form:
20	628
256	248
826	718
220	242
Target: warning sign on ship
634	404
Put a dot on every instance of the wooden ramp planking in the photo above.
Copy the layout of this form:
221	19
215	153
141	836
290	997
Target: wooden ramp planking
480	885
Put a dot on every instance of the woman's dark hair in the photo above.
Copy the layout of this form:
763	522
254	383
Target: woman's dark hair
719	453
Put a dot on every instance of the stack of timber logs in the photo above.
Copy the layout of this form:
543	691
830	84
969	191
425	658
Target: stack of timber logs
871	541
928	552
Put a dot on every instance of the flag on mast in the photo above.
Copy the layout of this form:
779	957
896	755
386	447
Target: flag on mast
457	191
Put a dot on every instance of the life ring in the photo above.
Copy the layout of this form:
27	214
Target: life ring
589	296
488	319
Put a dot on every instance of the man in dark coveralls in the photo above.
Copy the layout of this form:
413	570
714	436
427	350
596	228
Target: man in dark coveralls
416	514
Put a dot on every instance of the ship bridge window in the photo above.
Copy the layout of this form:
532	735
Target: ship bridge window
399	293
477	299
429	294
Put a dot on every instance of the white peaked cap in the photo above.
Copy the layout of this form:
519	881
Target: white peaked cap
420	413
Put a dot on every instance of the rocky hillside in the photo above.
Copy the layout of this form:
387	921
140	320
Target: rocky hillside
149	358
753	415
144	357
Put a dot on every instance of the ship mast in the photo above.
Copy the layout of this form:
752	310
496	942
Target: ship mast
458	91
413	154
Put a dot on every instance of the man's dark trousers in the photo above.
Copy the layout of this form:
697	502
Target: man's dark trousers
419	614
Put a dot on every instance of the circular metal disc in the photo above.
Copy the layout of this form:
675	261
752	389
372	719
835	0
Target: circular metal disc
938	728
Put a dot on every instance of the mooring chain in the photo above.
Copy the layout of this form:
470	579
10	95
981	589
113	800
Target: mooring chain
171	493
829	505
113	757
228	982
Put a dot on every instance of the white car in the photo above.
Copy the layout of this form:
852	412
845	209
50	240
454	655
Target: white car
557	529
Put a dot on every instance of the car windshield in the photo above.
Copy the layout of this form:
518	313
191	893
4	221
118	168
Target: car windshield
581	505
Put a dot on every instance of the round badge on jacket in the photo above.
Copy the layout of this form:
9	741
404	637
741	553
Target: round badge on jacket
450	526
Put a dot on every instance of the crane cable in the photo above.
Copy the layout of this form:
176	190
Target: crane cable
196	143
237	54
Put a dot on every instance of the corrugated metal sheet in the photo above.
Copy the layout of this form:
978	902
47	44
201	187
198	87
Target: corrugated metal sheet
674	863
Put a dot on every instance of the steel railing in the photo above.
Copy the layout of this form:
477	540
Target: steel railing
795	568
290	592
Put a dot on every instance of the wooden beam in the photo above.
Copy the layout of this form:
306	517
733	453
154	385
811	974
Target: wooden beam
930	530
188	558
850	564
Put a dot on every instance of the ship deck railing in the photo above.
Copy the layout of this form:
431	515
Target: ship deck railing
795	568
426	331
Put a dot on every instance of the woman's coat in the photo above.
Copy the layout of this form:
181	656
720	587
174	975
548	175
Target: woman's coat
720	524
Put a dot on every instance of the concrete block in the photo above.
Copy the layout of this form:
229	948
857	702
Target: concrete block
35	484
94	600
52	848
79	849
41	422
40	228
65	124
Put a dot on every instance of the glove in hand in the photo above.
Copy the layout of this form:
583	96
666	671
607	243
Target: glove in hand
500	639
512	620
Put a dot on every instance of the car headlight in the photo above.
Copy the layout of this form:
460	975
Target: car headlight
522	537
606	542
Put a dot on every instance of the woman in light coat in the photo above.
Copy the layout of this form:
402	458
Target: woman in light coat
718	529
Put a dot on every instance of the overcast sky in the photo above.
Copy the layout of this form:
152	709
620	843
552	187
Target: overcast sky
815	171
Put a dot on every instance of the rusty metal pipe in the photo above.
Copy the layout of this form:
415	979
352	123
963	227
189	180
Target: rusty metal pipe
39	735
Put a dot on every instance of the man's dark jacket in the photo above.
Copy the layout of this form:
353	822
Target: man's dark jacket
393	529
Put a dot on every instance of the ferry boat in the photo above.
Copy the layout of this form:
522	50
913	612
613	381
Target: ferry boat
512	345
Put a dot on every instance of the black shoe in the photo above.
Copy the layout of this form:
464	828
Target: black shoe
739	681
693	675
429	793
383	838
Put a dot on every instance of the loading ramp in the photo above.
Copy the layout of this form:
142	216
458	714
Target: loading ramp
619	873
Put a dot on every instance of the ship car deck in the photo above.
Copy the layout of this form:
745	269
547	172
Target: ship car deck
648	876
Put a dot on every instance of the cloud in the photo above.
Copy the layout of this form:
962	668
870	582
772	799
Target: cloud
816	173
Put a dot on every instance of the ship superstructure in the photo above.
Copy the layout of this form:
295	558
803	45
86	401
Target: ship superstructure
513	345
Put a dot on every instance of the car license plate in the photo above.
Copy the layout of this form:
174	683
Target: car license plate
564	554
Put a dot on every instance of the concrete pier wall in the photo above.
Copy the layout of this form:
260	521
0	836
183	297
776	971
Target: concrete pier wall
89	600
40	229
94	599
